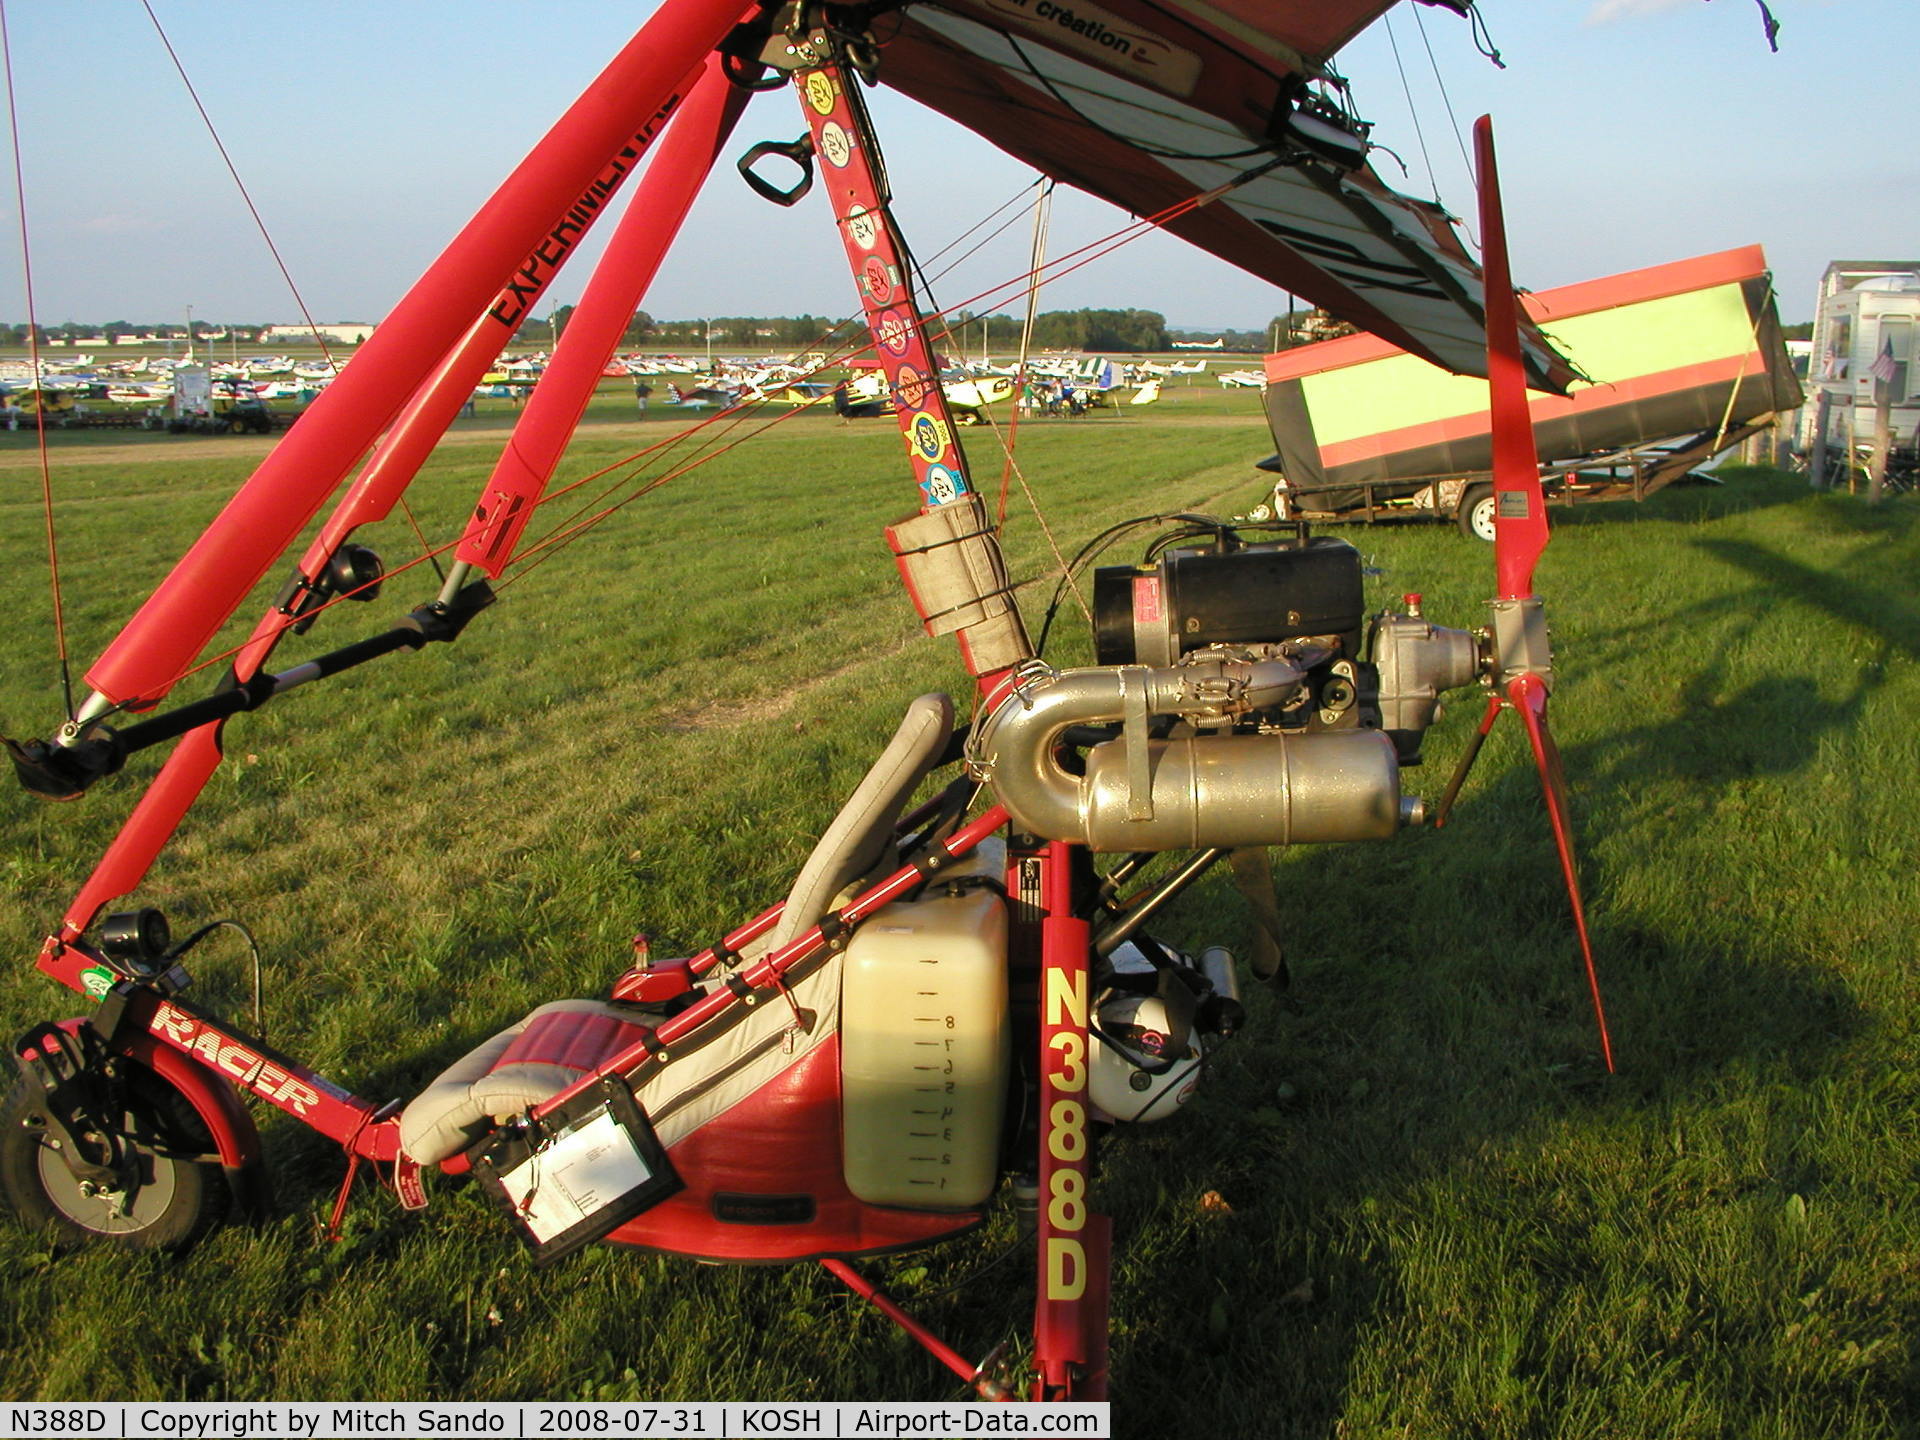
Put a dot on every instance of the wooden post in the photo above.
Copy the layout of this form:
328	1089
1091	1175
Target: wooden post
1882	439
1817	461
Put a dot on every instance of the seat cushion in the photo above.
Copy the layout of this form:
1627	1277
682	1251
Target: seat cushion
526	1063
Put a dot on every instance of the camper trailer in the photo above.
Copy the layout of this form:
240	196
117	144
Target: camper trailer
1680	361
1864	322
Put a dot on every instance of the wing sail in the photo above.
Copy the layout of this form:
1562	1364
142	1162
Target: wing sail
1148	103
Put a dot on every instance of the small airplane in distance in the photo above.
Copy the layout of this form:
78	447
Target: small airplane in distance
865	395
702	398
1216	344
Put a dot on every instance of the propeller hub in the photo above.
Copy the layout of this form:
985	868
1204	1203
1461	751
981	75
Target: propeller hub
1520	644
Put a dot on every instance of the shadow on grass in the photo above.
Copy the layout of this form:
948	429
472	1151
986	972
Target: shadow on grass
1742	490
1430	1084
1451	1039
1891	617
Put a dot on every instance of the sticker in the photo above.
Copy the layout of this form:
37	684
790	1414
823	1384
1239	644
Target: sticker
892	331
1092	34
864	225
1146	600
835	144
820	92
927	437
942	486
1514	505
911	387
97	980
879	279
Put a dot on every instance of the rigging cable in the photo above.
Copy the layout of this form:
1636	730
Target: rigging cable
1036	262
239	184
260	223
1446	99
1413	110
39	385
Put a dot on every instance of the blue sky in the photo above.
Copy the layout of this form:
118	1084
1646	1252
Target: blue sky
1631	132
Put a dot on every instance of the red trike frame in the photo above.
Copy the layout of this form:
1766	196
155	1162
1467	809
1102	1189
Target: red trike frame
430	353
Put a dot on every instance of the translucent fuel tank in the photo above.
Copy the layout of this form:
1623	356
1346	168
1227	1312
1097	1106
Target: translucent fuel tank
925	1043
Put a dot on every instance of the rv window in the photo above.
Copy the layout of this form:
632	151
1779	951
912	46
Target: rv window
1897	331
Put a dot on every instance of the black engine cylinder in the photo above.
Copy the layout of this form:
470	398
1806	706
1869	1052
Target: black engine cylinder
1259	594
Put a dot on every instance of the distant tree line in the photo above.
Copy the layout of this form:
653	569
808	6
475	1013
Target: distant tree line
967	333
11	334
1092	331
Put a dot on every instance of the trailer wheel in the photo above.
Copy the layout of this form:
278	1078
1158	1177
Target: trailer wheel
1476	513
175	1197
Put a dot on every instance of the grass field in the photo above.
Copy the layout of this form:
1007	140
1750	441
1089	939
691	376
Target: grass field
1407	1201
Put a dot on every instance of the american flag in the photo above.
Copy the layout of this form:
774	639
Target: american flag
1882	369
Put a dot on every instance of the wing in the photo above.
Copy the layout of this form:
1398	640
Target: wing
1148	103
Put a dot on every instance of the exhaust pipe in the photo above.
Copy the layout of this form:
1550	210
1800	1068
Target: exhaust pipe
1191	793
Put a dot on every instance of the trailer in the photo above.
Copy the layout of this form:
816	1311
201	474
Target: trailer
1679	362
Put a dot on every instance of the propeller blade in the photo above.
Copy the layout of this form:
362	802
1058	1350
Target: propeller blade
1520	509
1528	694
1525	662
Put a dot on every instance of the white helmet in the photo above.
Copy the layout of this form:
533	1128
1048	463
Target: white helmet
1134	1075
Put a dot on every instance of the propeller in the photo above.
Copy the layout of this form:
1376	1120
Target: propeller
1522	659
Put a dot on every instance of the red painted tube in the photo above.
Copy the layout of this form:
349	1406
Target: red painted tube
404	448
148	828
654	216
209	582
881	1301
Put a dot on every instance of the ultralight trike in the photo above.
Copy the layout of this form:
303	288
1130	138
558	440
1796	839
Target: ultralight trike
954	1002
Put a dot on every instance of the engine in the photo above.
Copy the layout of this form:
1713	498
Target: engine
1232	706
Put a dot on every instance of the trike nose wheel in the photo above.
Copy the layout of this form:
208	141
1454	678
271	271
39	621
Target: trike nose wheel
169	1193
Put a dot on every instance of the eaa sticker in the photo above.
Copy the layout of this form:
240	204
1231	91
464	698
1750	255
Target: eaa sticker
927	437
835	144
879	279
820	93
864	226
96	980
891	330
941	485
911	387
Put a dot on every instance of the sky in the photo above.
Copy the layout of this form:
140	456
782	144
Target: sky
1631	133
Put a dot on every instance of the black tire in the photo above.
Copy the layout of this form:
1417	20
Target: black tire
1477	512
178	1198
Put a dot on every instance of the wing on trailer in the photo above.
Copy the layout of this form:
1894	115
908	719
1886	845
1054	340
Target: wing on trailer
1688	348
1148	103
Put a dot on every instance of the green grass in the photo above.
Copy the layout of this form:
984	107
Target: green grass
1439	1217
